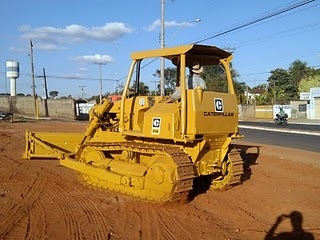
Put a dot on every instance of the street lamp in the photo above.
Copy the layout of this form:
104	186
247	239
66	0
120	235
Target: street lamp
100	70
179	29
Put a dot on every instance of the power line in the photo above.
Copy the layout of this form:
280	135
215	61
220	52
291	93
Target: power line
259	19
71	77
282	34
258	73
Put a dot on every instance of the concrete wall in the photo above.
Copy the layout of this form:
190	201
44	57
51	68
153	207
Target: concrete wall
264	112
64	108
299	109
296	109
246	111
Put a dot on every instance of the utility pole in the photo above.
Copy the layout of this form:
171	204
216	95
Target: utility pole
155	87
116	82
274	93
100	70
45	89
247	94
162	46
32	78
82	91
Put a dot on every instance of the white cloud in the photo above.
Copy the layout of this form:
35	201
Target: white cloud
15	49
154	26
24	28
157	24
97	58
48	47
52	37
83	69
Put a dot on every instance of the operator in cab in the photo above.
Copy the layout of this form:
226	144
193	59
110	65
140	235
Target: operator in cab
193	81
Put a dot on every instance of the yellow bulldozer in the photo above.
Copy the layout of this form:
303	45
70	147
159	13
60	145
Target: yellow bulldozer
145	147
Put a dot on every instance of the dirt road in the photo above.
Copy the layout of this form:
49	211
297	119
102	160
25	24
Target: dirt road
42	200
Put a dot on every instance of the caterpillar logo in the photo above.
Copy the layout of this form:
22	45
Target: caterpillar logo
219	109
218	104
156	124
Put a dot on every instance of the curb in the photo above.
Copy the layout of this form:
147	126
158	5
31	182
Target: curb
281	130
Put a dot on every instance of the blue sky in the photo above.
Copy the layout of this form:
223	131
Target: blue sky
70	36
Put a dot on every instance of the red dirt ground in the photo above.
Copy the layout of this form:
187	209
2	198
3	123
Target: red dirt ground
42	200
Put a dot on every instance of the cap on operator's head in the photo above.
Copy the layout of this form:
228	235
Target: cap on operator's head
197	68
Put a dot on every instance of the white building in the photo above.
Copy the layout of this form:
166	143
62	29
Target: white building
315	103
313	107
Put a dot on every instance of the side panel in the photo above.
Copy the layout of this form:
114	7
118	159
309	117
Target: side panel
135	108
162	121
211	113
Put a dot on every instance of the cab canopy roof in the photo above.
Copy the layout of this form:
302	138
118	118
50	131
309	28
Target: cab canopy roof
204	54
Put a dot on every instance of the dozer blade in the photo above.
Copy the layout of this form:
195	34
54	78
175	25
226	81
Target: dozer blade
51	145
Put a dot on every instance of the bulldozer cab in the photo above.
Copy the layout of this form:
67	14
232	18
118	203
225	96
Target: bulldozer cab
198	113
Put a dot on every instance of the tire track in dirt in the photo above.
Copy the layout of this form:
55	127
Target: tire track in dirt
145	219
29	187
68	198
170	226
138	218
17	174
72	225
100	228
7	168
36	228
150	228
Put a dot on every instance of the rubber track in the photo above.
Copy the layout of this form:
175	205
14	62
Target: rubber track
183	163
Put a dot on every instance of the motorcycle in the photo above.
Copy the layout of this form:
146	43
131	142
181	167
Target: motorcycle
7	117
281	120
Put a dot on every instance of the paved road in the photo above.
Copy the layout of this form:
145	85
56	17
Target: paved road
303	136
301	127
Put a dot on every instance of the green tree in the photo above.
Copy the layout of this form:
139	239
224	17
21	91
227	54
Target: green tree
298	71
277	95
261	86
119	89
216	79
170	76
281	79
53	94
309	82
262	99
143	88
